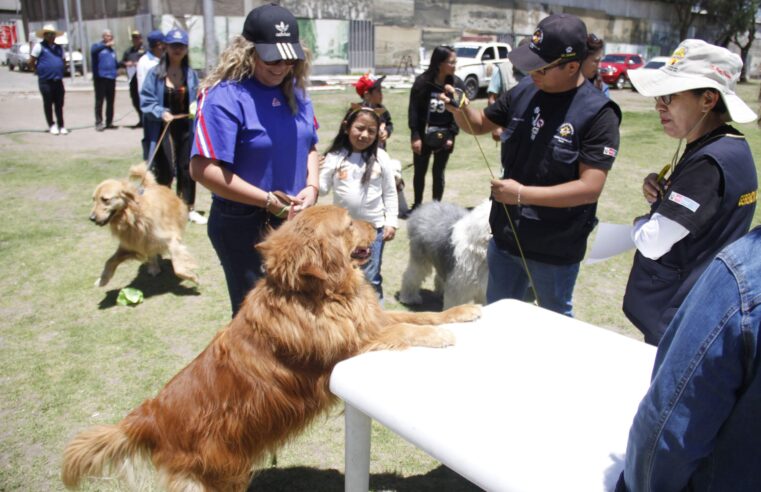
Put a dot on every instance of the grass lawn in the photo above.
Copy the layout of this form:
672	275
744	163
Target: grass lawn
70	357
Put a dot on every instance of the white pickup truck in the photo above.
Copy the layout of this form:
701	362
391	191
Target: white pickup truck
475	63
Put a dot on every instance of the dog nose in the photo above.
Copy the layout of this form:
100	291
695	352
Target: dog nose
92	217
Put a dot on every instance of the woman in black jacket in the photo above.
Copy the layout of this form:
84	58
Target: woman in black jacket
432	127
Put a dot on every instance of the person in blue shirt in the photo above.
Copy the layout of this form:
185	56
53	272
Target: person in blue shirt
255	135
104	66
48	61
698	426
168	97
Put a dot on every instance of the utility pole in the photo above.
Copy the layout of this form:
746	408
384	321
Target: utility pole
209	34
82	44
70	38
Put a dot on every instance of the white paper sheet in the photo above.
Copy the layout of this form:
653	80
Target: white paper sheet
610	240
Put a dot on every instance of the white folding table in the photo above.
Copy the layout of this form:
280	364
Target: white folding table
527	400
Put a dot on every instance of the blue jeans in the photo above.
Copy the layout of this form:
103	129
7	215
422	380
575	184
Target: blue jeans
372	268
234	229
507	280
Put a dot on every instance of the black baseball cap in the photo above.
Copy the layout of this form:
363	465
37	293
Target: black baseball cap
275	33
558	38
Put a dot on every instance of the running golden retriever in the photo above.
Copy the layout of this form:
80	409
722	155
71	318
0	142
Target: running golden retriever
147	218
264	377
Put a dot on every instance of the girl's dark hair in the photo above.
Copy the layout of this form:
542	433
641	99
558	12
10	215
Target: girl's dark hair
720	107
594	43
440	55
342	142
163	65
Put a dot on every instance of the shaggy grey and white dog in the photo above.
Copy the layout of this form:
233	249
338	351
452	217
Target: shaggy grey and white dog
452	241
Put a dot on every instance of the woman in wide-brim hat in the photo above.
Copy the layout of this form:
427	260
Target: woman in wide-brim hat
255	134
705	198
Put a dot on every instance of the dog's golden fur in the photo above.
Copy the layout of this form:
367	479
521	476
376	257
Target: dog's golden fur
147	218
264	377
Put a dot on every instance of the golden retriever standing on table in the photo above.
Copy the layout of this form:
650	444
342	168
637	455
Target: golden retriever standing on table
264	377
147	218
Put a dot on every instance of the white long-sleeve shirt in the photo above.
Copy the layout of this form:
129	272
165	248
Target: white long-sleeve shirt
376	202
656	236
144	65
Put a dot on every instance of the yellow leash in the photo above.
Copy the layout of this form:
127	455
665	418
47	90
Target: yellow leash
463	103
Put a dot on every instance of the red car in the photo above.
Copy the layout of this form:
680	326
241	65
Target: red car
614	68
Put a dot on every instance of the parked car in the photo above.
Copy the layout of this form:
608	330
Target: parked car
77	56
475	63
18	57
656	62
614	68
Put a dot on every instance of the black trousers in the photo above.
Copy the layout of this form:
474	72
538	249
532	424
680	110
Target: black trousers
420	163
173	160
105	89
135	96
52	97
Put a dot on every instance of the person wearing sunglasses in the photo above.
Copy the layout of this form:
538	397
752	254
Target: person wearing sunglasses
255	135
560	140
702	200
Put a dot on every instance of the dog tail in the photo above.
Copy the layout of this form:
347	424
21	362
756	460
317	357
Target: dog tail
100	450
140	176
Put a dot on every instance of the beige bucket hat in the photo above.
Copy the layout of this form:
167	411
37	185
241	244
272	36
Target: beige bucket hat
696	64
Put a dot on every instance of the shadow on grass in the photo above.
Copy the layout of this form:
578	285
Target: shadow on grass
165	282
431	302
303	479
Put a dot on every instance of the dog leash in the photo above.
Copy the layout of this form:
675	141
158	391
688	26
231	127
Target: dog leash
149	164
531	284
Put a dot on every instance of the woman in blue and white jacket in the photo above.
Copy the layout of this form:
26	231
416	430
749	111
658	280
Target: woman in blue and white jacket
168	97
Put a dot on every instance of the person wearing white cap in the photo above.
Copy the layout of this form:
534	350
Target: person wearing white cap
701	201
255	134
47	60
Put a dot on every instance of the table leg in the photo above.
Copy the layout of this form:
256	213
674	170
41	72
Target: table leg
357	450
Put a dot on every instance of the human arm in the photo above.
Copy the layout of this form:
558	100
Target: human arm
95	50
390	196
688	204
469	119
308	195
417	93
226	184
582	191
327	171
34	55
152	97
697	381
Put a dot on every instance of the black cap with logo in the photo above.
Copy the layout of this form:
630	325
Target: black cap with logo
558	38
275	33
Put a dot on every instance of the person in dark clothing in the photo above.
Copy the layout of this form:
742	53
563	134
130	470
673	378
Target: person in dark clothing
433	128
104	65
561	138
129	62
701	201
48	61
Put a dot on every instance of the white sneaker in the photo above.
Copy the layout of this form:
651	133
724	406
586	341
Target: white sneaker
54	129
197	218
64	131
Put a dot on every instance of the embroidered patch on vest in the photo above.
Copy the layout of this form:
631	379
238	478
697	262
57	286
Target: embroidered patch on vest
684	201
747	199
609	151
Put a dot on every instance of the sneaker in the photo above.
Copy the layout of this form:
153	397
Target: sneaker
100	127
197	218
54	129
64	131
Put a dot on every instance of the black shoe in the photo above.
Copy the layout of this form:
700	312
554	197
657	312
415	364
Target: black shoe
100	127
139	124
111	127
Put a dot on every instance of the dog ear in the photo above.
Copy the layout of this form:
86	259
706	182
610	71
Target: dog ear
127	193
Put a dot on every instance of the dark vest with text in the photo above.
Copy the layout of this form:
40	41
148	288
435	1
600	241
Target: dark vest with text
656	288
547	234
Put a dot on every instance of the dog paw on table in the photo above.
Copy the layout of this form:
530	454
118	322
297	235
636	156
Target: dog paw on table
464	312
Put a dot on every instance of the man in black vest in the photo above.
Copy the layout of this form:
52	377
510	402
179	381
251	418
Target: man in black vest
561	138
